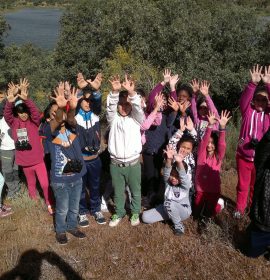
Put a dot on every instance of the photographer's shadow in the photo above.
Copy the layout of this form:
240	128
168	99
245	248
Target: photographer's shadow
29	266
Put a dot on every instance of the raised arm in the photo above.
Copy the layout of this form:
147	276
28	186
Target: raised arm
73	102
195	87
61	102
113	98
173	81
223	120
11	98
155	117
137	112
266	79
169	152
248	93
185	180
157	89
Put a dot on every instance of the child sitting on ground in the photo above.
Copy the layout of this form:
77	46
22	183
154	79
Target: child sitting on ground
177	185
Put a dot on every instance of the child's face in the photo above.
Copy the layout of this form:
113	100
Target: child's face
261	101
203	109
124	107
186	148
183	96
211	146
174	178
23	116
52	111
85	105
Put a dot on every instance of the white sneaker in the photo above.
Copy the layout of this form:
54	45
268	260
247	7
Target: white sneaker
221	203
115	220
103	205
135	220
83	221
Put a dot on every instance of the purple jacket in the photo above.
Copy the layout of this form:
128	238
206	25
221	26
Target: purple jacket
254	124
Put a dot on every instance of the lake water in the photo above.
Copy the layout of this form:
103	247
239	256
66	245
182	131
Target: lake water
39	26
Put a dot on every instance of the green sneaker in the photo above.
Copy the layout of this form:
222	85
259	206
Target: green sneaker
134	220
115	220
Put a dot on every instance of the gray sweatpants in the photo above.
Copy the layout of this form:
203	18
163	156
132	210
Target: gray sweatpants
171	210
10	171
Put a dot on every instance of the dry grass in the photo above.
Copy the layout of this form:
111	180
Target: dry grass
28	247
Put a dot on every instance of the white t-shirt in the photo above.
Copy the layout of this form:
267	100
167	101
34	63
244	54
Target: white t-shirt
7	142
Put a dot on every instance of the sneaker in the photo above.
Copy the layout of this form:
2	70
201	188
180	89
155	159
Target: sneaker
178	232
99	218
237	215
135	220
50	210
77	233
83	221
4	213
61	238
115	220
103	206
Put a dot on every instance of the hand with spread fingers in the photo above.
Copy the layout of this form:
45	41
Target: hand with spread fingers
96	83
204	88
266	76
23	86
224	118
256	74
59	98
115	83
195	86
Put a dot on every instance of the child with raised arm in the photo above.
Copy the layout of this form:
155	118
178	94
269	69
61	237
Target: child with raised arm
67	168
176	206
23	118
125	115
255	122
201	106
211	152
84	117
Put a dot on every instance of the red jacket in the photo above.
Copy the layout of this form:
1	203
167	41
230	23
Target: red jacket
208	168
35	155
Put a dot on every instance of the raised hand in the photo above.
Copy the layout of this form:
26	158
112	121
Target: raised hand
97	81
73	98
182	124
128	84
204	88
23	86
158	102
170	152
211	118
60	96
12	92
195	86
166	76
173	104
81	82
183	106
173	81
179	157
256	74
266	76
224	118
189	124
115	83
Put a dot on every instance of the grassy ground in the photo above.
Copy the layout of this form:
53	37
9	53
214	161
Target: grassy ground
28	248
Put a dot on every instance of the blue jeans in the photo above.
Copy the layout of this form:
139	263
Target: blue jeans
91	181
67	198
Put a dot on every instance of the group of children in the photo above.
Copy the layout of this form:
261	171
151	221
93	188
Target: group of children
171	143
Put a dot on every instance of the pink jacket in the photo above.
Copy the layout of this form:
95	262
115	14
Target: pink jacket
150	119
35	155
200	122
254	124
208	168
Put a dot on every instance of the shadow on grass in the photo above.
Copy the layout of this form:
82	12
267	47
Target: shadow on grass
29	266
